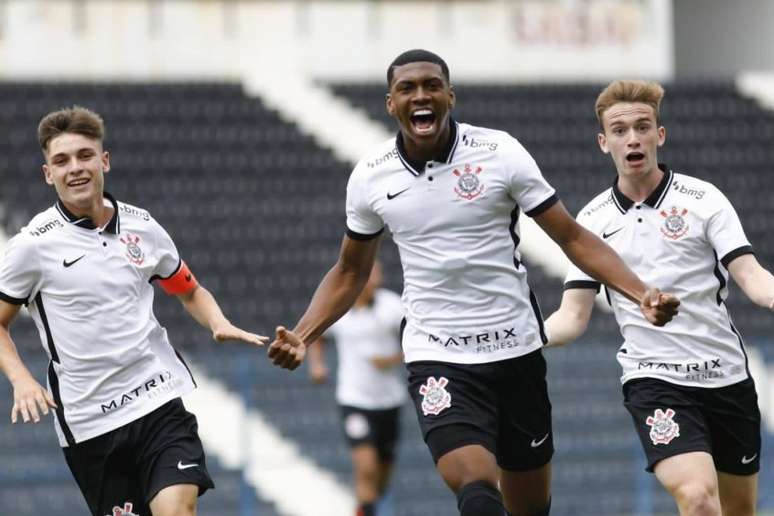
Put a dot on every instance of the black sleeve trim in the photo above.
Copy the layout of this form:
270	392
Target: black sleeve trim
543	206
736	253
157	277
13	300
360	236
593	285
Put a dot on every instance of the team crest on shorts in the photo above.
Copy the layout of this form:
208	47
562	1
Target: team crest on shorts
435	397
126	511
662	427
133	250
675	225
468	185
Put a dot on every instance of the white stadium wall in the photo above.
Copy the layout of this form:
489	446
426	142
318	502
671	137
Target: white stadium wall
346	39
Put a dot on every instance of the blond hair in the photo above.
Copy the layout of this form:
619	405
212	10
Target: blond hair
645	92
76	120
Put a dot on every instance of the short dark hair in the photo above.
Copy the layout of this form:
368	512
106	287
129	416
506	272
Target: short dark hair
417	55
76	119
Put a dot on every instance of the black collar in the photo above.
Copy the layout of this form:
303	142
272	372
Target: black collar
418	167
654	199
84	222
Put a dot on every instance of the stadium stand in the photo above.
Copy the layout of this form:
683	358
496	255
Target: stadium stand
256	209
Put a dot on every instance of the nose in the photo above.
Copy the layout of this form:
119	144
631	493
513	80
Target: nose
421	95
631	138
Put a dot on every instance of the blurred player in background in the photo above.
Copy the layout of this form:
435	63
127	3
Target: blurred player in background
452	194
370	385
84	267
687	385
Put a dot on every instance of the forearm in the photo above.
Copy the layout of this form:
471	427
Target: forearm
563	328
598	260
10	362
759	287
334	296
203	307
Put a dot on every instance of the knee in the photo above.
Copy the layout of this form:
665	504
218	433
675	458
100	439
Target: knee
698	498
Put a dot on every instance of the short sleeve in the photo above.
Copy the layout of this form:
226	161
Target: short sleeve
167	257
527	184
725	233
362	222
20	273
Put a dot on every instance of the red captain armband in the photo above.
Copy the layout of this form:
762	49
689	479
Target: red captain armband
181	282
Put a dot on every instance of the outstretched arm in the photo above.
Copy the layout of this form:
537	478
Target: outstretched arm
755	281
572	318
598	260
336	294
29	397
205	310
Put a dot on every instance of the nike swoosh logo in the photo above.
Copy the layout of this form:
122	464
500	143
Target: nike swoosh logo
182	466
608	235
393	196
535	443
745	460
68	264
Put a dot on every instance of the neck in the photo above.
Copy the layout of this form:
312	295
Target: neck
639	188
427	150
94	209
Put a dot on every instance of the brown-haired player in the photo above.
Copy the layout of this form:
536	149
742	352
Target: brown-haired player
687	385
86	267
452	194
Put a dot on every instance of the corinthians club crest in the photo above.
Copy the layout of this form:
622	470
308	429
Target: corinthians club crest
468	185
125	511
435	396
675	225
662	427
133	250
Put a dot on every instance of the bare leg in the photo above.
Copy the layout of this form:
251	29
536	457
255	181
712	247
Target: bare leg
692	481
177	500
526	492
738	494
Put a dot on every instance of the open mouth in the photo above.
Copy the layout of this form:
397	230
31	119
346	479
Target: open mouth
78	182
634	157
423	120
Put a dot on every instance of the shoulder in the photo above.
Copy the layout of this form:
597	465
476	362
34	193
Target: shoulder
598	206
693	188
130	212
487	139
380	155
43	225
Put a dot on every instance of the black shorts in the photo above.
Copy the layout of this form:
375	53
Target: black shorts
673	419
502	406
377	428
128	466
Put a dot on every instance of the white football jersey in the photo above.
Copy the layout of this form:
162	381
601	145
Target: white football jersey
89	292
455	222
680	239
362	334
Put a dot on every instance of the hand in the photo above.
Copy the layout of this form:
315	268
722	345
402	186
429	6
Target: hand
318	373
657	307
287	351
224	330
28	397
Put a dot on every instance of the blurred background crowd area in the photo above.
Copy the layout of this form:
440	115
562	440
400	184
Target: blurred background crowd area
236	124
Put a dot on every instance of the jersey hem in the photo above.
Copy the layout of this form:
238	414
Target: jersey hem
147	409
14	300
736	253
467	359
715	384
354	235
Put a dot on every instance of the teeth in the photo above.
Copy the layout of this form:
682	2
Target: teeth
422	112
